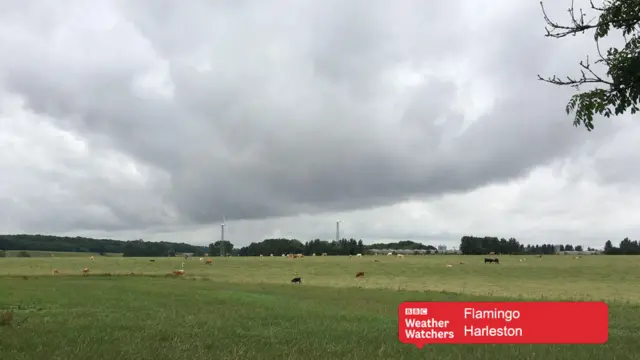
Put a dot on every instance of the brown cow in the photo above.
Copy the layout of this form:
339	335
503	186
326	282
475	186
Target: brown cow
360	274
54	271
209	261
85	271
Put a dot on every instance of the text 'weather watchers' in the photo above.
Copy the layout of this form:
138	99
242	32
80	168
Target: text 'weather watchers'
422	323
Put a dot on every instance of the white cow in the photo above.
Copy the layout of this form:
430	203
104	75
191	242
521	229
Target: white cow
401	256
201	259
359	255
389	254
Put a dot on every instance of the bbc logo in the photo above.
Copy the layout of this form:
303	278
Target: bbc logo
416	311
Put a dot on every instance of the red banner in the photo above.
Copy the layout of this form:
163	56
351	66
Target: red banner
423	323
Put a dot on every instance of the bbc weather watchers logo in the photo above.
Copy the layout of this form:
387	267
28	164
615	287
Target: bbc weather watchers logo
416	311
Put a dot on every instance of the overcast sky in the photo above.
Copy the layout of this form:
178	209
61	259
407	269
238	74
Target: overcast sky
406	119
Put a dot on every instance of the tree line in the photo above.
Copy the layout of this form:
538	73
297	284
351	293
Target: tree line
469	245
278	247
626	247
473	245
101	246
141	248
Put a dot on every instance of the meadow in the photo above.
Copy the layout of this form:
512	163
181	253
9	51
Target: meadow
245	307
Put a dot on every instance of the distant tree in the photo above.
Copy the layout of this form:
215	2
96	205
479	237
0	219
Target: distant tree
199	251
578	248
214	248
619	89
171	253
608	246
360	247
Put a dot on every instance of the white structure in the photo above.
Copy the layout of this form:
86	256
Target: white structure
442	248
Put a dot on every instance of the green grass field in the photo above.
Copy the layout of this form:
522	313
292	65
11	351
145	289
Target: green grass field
14	253
245	308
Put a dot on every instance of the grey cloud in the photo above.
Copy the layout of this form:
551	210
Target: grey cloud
296	114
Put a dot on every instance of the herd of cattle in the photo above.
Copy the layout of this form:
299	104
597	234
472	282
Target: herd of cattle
297	280
296	256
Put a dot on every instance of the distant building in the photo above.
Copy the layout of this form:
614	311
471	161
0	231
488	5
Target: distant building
442	248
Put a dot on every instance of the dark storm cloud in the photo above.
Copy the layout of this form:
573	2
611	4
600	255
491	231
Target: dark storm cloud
298	113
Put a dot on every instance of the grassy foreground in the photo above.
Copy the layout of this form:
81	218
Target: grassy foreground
244	308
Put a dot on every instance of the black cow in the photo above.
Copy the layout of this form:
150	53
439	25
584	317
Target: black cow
488	260
296	280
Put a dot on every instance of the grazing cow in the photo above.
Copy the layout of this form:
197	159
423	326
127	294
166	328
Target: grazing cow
186	257
178	272
389	254
489	260
401	256
350	256
461	262
449	265
261	255
360	275
85	271
92	258
296	280
152	260
201	259
358	255
209	261
539	256
313	254
54	271
6	317
290	256
376	260
271	255
283	255
324	254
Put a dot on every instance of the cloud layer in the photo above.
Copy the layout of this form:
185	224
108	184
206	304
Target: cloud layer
156	119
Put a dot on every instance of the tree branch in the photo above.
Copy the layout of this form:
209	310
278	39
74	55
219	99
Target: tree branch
577	24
